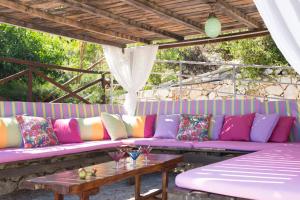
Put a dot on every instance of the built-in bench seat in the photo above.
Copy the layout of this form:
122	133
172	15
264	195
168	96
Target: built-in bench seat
269	174
19	154
18	164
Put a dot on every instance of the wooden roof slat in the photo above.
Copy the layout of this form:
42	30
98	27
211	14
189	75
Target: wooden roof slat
102	13
165	13
121	22
237	14
222	38
62	20
18	22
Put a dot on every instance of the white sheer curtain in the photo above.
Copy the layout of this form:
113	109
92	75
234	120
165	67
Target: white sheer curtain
131	67
282	18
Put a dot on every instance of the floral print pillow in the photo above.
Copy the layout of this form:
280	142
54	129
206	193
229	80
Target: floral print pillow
193	128
36	131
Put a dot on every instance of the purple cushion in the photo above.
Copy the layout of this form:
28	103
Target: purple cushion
237	127
11	155
263	126
215	126
283	129
67	130
271	174
167	126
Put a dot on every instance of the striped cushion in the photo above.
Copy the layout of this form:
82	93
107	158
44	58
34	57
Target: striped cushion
92	129
10	135
195	107
140	126
56	110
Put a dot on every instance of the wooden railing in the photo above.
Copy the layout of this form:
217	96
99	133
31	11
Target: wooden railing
33	68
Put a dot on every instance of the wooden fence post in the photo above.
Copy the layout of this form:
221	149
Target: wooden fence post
30	77
103	84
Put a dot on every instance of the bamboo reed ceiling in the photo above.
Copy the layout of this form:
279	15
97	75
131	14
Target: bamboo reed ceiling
120	22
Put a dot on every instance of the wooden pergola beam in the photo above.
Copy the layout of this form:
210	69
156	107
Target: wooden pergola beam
69	22
120	19
165	13
222	38
33	26
236	14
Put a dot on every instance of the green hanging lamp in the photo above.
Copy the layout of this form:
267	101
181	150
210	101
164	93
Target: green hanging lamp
212	25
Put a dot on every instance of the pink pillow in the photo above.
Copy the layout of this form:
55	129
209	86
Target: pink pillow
282	129
237	127
67	130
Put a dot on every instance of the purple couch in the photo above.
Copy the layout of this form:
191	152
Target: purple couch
64	110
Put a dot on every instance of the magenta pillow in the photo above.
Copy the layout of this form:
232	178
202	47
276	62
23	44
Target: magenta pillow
282	129
237	127
67	130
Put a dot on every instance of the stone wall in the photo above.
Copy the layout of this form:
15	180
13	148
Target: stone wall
225	88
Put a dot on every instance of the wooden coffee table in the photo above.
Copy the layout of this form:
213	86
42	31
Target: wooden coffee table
68	182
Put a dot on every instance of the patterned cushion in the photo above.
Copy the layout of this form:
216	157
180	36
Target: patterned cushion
92	128
10	135
193	127
140	126
36	131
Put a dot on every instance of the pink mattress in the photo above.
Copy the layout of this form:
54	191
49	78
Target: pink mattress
236	145
11	155
155	142
271	174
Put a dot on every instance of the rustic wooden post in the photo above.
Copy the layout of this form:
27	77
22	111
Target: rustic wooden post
103	84
29	83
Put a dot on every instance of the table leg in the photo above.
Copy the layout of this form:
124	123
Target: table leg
165	180
84	196
58	196
137	187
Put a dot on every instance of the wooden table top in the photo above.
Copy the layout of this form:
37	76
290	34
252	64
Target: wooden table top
68	182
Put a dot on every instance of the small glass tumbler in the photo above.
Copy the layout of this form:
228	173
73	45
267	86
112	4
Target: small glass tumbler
134	154
116	156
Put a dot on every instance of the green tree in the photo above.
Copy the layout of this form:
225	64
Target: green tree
29	45
260	50
16	42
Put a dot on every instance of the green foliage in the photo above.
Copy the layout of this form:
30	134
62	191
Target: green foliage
45	48
261	50
25	44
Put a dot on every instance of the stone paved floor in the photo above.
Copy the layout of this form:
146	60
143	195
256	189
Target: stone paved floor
118	191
